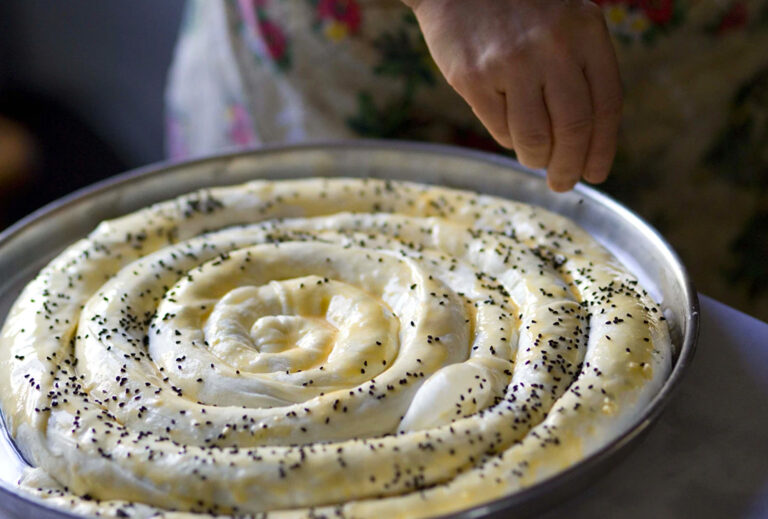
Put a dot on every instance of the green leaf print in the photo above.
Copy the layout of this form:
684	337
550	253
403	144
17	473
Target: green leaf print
389	122
740	154
750	249
403	57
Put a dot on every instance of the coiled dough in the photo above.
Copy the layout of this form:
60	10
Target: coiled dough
323	347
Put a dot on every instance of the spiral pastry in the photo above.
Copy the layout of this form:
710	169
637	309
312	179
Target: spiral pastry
323	347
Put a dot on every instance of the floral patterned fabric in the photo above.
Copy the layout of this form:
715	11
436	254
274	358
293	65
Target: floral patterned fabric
693	154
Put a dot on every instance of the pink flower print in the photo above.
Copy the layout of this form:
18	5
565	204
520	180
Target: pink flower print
176	144
339	18
240	130
735	18
262	36
248	10
658	11
275	40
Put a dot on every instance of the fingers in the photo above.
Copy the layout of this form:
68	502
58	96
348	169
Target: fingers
567	96
549	88
528	122
602	71
517	119
489	106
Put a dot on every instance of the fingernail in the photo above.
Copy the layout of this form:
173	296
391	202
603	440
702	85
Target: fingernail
560	186
595	177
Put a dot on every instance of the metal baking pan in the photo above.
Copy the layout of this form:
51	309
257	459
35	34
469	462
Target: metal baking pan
28	245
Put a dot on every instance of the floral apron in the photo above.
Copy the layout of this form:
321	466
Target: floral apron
693	153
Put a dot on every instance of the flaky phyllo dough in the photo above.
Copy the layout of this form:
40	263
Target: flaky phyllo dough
336	347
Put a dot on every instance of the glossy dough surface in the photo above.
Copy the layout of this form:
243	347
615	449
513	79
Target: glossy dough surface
338	347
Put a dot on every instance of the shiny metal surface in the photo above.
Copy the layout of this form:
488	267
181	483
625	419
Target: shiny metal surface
29	244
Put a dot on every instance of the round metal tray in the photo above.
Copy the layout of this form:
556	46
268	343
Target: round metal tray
28	245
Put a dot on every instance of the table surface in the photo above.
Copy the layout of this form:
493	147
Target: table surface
707	457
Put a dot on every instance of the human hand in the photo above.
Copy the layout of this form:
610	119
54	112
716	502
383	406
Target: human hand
541	75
